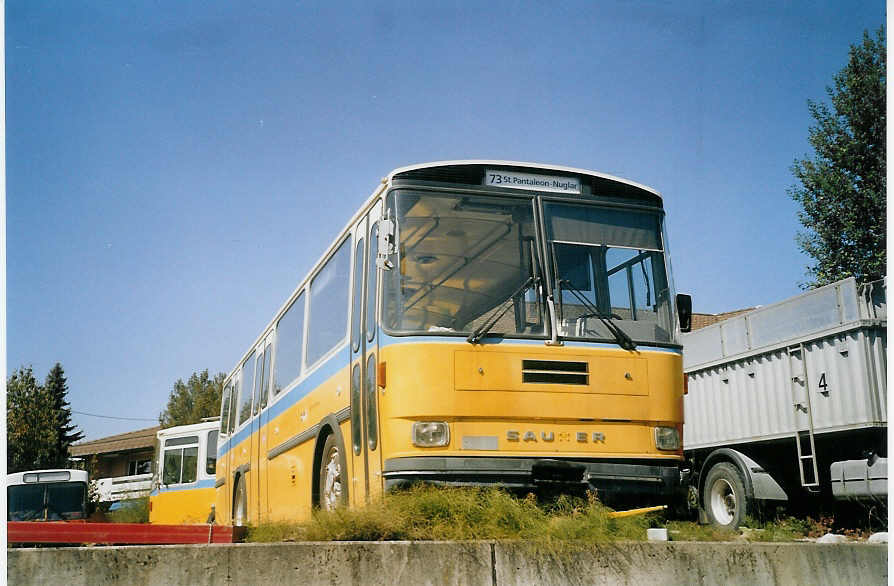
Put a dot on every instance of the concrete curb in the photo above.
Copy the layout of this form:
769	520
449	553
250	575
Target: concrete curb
452	563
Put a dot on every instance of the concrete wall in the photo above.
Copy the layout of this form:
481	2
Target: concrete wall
480	563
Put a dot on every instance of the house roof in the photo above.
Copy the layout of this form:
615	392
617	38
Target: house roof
702	320
123	442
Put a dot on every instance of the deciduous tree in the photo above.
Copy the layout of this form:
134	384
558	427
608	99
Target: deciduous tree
189	402
842	188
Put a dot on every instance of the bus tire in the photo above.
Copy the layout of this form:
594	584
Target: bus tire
723	496
239	503
332	475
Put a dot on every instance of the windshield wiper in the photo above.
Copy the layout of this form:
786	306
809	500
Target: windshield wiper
624	341
499	311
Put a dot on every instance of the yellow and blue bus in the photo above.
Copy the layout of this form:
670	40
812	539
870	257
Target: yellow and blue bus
474	323
185	467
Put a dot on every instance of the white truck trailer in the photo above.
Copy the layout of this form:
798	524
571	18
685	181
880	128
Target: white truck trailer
788	402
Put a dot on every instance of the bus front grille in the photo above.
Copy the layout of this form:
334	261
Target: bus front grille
555	372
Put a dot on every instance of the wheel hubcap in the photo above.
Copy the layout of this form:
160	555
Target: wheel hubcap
332	483
723	501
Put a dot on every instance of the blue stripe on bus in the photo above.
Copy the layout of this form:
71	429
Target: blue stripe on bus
208	483
288	398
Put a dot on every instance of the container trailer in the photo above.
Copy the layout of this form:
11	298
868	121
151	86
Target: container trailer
788	402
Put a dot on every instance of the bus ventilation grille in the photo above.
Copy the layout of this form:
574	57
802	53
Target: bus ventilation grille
555	372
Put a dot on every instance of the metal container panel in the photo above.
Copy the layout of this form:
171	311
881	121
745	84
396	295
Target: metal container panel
814	312
838	377
740	401
842	380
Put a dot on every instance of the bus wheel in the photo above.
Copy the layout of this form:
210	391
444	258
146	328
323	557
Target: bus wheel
724	496
331	476
239	516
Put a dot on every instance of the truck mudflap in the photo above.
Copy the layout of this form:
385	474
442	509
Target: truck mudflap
650	477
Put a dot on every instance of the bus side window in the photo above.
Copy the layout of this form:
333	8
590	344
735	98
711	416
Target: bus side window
231	425
358	296
289	334
371	282
245	387
225	409
265	379
261	373
327	317
211	453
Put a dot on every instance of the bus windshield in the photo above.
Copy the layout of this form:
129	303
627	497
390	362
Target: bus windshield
468	264
463	261
609	272
51	501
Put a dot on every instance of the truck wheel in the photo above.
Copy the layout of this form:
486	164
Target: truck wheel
723	496
332	494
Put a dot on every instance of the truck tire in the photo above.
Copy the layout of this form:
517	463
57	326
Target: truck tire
723	496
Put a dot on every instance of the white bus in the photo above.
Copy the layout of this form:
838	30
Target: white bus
46	495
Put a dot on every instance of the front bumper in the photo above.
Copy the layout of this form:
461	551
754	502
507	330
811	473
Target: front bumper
608	478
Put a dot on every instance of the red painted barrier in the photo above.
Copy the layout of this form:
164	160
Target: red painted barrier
119	533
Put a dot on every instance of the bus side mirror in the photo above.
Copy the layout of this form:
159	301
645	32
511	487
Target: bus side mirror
684	311
386	243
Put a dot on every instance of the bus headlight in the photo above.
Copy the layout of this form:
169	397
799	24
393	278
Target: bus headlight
667	438
430	434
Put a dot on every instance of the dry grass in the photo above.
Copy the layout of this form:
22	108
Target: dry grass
431	513
427	513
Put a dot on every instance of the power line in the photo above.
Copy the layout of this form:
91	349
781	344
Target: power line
112	417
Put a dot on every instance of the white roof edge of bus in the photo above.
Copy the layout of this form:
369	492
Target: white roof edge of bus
383	185
191	428
18	477
543	166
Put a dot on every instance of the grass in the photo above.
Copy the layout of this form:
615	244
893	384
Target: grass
427	513
431	513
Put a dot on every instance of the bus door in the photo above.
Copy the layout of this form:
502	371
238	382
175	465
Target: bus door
223	447
258	470
238	461
264	420
365	452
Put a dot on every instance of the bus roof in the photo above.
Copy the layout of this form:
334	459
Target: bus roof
48	475
519	164
188	429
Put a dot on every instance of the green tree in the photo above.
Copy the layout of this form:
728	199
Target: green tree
32	434
842	188
189	402
67	433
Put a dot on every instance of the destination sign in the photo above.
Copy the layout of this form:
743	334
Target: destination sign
515	180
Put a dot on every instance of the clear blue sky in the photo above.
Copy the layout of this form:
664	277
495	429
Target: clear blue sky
174	168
